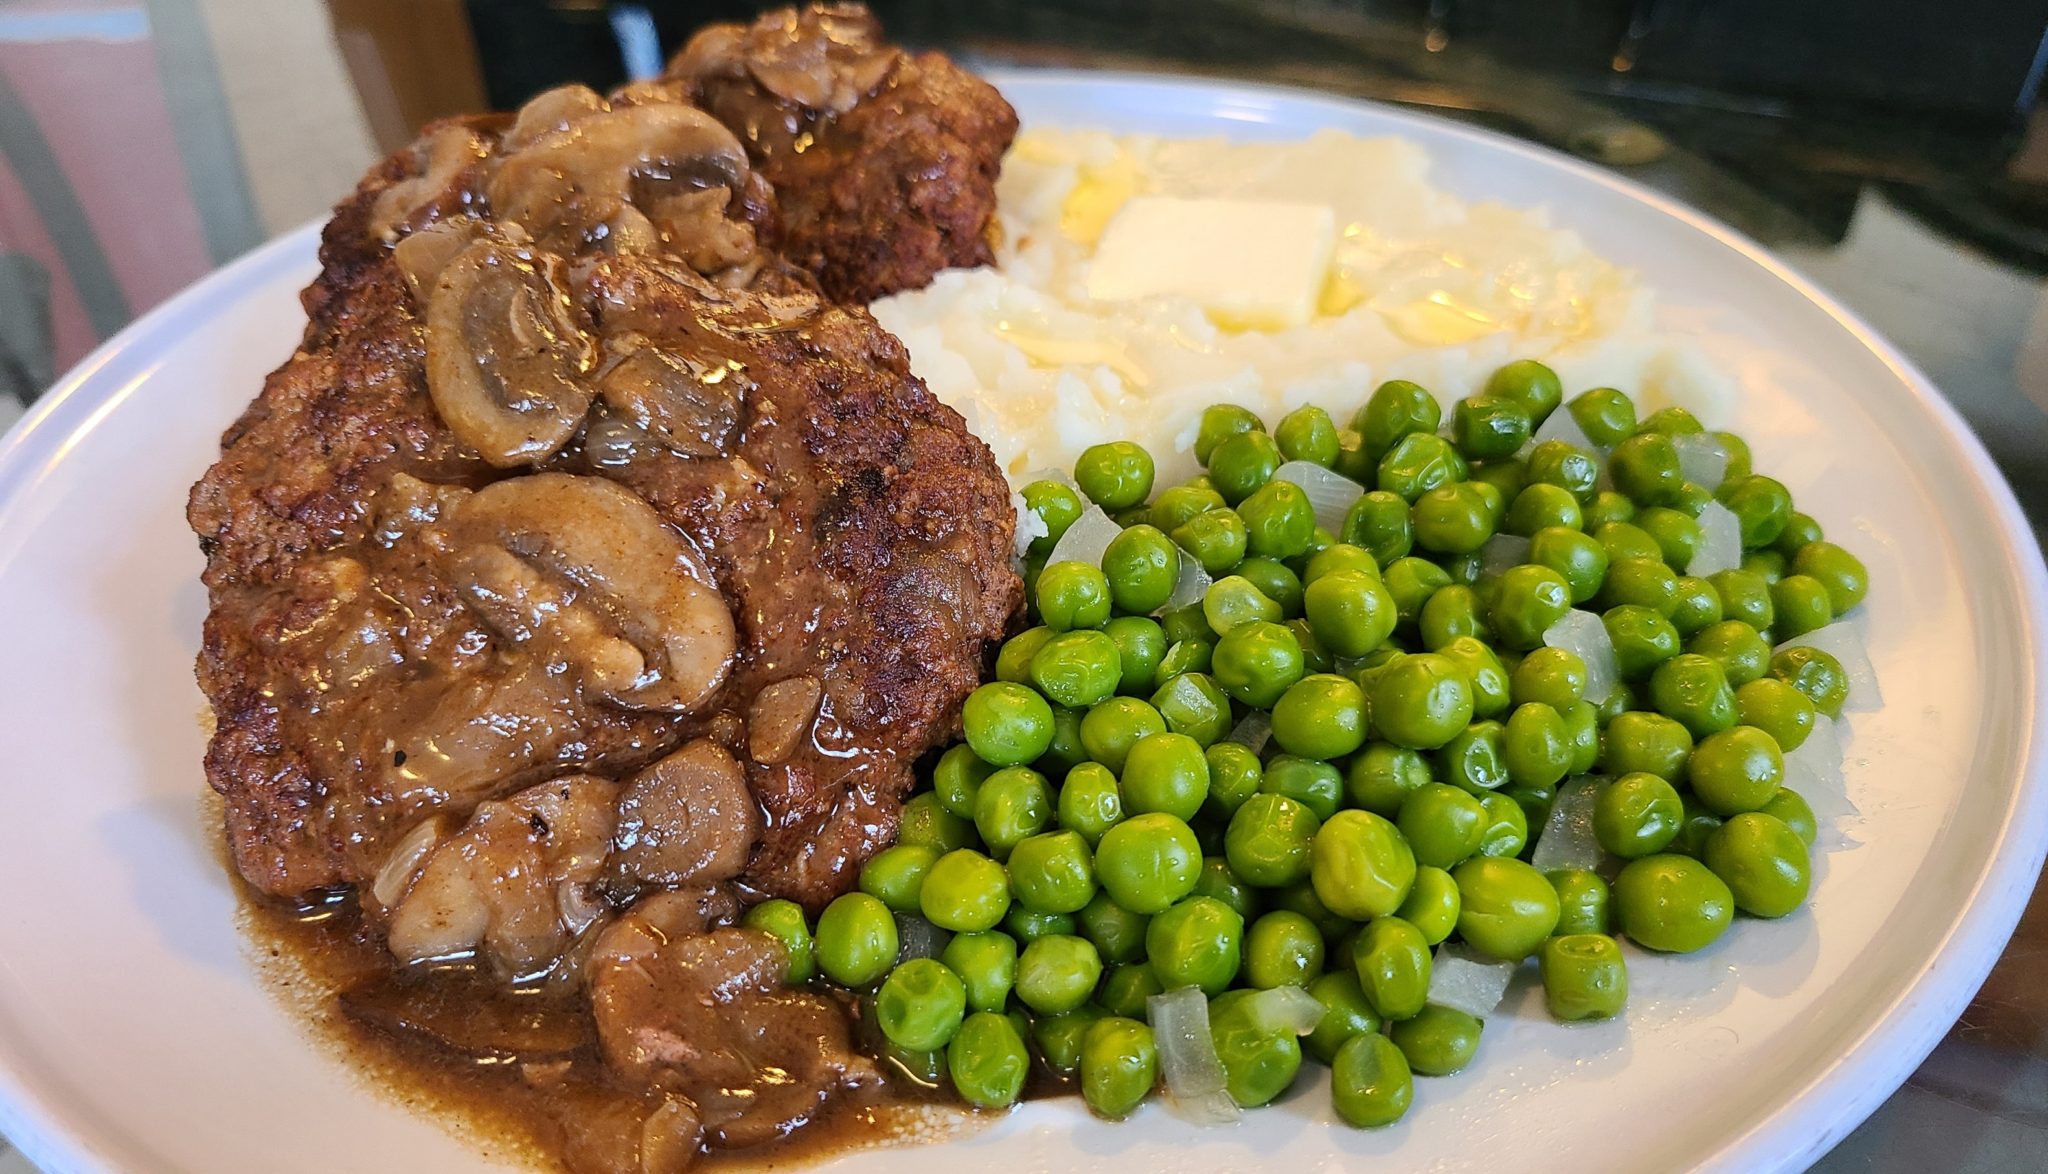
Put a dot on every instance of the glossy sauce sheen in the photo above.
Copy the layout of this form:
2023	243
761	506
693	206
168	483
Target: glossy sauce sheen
327	966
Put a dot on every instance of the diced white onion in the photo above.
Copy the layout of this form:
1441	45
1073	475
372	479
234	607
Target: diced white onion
1030	527
1463	981
1567	840
395	876
1191	586
1086	539
918	938
1844	641
1720	542
1332	493
1814	771
1501	552
1187	1056
1582	632
1702	459
1287	1009
1562	425
1254	731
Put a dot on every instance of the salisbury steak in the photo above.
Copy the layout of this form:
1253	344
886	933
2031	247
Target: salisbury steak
569	476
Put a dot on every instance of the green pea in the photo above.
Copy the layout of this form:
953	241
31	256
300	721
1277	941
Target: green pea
1115	476
1475	758
1432	905
1216	539
1302	899
1341	557
1370	1082
1691	499
1072	595
1234	777
1745	597
1233	601
957	777
1801	603
1646	742
1584	977
1308	434
1693	690
1418	463
1186	623
1491	693
1218	882
1465	570
1258	1063
1794	812
1619	701
1142	564
1321	716
1060	1037
1763	862
1637	815
1842	574
923	821
1347	1013
1127	987
1605	415
1555	677
988	1060
1181	504
785	920
1625	540
1350	612
1279	520
1410	582
1529	384
1815	673
1677	535
1352	459
1314	657
1379	523
1422	701
965	892
1584	901
1256	662
1567	466
920	1005
1013	803
1397	409
856	941
1576	558
1692	834
1066	751
1645	466
1673	904
1438	1040
1057	973
1053	872
1452	612
1642	639
1581	737
1243	464
1736	770
1283	948
1078	669
1487	428
1275	581
1380	777
1118	933
1736	647
1541	506
1392	961
987	965
1695	607
1007	724
1762	505
1507	826
895	875
1057	507
1508	477
1219	423
1316	785
1536	747
1768	565
1148	862
1109	730
1196	942
1609	506
1141	648
1443	825
1013	660
1191	704
1166	772
1360	865
1531	598
1456	518
1185	656
1506	907
1119	1066
1641	582
1028	926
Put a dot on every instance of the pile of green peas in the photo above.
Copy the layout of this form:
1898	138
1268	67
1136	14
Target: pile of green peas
1339	759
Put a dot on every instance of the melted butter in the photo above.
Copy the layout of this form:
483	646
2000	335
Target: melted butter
1440	319
1047	350
1101	193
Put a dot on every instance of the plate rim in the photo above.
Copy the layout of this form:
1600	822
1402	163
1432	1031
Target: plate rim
1806	1123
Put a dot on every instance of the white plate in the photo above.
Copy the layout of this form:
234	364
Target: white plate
135	1036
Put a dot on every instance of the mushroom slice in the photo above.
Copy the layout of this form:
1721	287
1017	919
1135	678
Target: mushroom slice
823	57
505	355
493	886
689	819
443	154
549	112
570	180
423	256
780	717
586	570
692	405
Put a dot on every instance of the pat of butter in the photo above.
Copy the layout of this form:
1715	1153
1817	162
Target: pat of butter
1250	264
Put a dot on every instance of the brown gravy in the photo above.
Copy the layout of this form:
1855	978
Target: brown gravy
310	959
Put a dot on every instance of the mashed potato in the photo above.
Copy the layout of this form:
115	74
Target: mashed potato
1421	285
